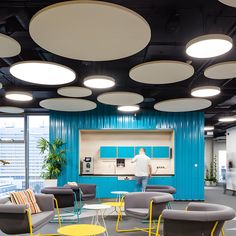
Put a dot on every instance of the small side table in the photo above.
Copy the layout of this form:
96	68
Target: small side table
119	194
81	230
98	208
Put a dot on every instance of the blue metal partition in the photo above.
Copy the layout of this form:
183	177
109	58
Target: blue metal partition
189	146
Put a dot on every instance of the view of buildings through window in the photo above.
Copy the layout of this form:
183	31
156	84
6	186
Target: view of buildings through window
12	149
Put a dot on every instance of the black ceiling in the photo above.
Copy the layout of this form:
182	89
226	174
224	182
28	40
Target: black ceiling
173	23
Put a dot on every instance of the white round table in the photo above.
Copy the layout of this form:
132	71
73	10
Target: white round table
95	218
119	194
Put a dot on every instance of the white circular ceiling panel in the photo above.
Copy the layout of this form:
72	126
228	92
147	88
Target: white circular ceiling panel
9	47
42	72
120	98
182	105
74	91
98	31
231	3
161	72
12	110
223	70
209	45
68	104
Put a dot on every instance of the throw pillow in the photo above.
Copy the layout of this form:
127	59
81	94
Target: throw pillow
27	198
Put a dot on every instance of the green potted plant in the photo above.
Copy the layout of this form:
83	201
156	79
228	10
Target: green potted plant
207	179
54	160
210	179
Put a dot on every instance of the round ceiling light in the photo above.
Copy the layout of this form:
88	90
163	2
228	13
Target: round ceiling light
13	110
231	3
161	72
74	91
68	104
128	108
9	47
42	72
182	105
210	45
120	98
209	128
99	31
19	96
223	70
205	91
227	119
99	81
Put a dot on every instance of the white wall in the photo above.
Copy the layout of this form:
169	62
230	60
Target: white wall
208	151
231	156
231	145
212	148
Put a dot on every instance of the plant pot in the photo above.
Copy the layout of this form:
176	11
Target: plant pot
50	183
213	184
207	183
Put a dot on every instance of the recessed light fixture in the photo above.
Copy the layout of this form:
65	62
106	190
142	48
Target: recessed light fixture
205	91
19	96
42	72
210	45
99	81
128	108
208	128
227	119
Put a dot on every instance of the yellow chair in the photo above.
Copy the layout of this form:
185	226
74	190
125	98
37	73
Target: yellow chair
144	206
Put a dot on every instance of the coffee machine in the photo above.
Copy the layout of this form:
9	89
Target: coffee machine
87	166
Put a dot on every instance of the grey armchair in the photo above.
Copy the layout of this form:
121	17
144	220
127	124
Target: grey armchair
199	219
16	219
83	192
145	206
161	188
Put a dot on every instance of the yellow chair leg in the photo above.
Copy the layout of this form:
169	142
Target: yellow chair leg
150	219
58	212
214	228
222	232
158	225
30	221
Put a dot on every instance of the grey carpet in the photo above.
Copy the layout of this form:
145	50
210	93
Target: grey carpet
213	195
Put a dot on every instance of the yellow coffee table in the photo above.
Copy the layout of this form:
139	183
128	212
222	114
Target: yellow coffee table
117	206
114	204
81	230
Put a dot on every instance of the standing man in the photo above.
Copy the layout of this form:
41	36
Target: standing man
143	169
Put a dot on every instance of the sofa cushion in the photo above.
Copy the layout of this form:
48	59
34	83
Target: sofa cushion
41	218
26	197
138	211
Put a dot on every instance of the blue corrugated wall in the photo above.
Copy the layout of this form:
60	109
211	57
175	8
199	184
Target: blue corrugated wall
189	146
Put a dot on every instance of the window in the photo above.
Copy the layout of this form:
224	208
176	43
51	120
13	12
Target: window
12	149
38	127
18	145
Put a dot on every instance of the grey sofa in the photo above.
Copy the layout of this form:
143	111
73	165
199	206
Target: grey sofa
65	196
83	192
15	219
160	188
199	219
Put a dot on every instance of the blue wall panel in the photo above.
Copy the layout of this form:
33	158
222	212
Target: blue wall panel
161	152
125	152
108	152
189	145
148	150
